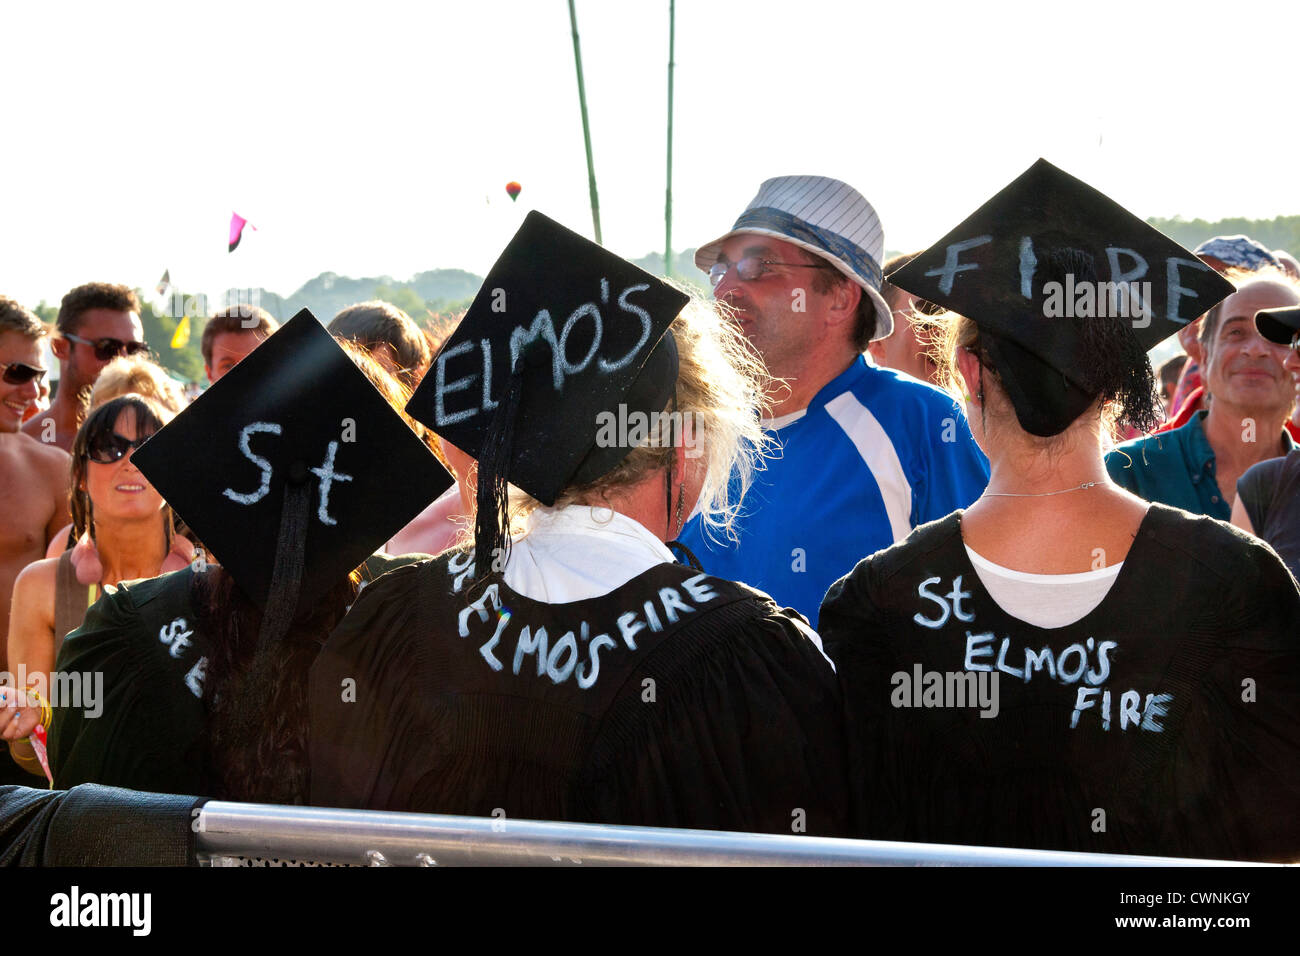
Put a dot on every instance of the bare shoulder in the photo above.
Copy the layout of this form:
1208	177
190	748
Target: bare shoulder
52	459
33	600
37	579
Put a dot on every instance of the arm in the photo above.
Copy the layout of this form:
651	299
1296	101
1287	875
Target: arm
31	657
59	542
59	478
1240	518
1256	490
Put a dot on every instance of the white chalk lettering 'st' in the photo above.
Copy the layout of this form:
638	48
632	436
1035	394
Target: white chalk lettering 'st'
148	640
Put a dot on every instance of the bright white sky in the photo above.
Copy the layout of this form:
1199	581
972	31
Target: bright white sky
377	138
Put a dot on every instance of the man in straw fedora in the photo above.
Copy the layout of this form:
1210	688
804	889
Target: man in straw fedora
865	454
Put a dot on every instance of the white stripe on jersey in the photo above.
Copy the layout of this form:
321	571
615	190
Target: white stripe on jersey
877	451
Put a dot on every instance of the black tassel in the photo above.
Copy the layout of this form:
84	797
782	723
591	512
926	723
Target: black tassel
491	523
290	559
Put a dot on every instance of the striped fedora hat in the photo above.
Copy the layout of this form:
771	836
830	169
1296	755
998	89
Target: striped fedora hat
824	216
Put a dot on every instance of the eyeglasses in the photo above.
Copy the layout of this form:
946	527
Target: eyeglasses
106	348
111	447
753	267
19	373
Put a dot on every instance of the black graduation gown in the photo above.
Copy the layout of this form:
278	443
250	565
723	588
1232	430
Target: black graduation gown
676	700
145	639
1199	613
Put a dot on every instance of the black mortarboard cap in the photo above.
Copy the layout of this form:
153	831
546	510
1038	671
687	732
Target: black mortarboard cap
295	421
1036	253
561	331
1278	325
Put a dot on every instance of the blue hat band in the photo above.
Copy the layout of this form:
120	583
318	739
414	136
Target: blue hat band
777	220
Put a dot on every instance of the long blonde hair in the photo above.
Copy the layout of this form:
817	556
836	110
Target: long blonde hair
722	386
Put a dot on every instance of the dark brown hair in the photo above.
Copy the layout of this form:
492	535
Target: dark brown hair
15	318
93	295
236	318
257	696
377	324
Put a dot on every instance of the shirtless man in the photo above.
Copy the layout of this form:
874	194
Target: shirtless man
97	322
33	476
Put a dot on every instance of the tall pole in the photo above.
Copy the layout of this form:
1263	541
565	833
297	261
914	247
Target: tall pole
668	198
586	128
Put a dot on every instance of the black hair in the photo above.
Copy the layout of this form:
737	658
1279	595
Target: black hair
256	698
1111	362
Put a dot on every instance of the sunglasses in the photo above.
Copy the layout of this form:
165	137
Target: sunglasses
106	348
108	448
19	373
753	267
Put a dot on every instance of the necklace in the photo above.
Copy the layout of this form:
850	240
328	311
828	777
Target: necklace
1039	494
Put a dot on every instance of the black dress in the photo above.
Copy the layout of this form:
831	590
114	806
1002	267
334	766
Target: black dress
1166	721
675	700
141	643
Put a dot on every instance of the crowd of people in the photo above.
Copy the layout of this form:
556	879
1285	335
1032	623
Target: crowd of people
878	549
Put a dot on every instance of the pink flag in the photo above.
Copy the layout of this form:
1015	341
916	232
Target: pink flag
237	224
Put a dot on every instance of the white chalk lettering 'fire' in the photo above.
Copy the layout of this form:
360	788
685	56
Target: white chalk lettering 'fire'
576	652
1086	663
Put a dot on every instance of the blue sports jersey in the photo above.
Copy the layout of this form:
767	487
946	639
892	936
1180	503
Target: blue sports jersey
874	455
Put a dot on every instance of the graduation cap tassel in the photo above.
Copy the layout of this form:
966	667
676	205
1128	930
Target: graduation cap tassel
492	521
290	558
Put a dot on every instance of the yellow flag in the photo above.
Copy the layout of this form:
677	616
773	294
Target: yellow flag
181	337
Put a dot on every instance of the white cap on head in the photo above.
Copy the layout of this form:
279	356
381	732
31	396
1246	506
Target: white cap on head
823	216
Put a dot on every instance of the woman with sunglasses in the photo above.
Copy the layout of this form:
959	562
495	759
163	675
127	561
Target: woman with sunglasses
131	526
122	376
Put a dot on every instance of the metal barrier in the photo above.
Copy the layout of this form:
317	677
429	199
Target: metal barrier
240	834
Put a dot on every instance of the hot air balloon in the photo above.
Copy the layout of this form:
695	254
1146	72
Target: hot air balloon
514	189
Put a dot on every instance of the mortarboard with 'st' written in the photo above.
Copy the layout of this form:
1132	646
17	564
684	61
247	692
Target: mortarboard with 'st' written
292	468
